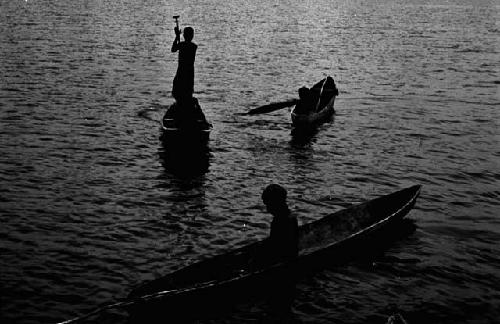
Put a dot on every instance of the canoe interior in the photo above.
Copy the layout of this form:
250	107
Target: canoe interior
313	119
185	121
329	92
173	135
349	222
318	236
325	108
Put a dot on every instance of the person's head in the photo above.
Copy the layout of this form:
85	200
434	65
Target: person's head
188	34
304	93
274	197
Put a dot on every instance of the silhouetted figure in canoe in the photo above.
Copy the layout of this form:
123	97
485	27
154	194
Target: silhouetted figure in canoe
310	100
284	234
305	101
283	241
186	110
183	86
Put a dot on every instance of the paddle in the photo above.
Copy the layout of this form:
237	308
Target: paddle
176	21
272	107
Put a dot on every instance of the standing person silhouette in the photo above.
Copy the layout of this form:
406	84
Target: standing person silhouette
183	86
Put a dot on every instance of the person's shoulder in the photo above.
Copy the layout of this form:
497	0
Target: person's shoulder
188	45
292	215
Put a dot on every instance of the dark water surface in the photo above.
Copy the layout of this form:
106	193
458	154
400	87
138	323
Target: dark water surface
92	205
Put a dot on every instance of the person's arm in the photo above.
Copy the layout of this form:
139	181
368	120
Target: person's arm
177	40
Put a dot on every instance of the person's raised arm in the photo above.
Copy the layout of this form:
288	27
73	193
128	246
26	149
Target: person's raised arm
177	40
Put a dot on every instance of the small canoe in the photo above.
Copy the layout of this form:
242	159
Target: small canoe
312	114
240	271
182	124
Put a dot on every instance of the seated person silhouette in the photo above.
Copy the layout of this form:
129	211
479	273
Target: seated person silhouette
315	98
283	238
283	246
305	104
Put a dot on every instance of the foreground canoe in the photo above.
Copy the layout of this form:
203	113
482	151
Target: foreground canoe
315	116
240	271
182	124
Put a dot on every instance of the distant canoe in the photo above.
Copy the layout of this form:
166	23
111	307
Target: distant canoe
231	275
312	117
182	124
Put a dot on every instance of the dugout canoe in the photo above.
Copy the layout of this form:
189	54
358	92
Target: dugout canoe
314	113
226	277
185	124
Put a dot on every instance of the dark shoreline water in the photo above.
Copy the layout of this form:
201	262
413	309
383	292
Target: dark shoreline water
92	205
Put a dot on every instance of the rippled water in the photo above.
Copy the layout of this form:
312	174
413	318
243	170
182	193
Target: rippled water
91	204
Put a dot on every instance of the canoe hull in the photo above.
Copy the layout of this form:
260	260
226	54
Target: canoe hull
185	125
208	301
174	135
315	118
311	112
334	239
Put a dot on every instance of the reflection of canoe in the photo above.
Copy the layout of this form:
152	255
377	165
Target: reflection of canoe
325	110
238	272
185	160
182	124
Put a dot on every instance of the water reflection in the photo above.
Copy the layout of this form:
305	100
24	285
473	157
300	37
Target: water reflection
185	167
303	136
281	296
307	135
185	160
301	153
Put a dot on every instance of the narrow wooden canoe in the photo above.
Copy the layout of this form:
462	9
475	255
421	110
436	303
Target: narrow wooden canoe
325	110
240	271
185	124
